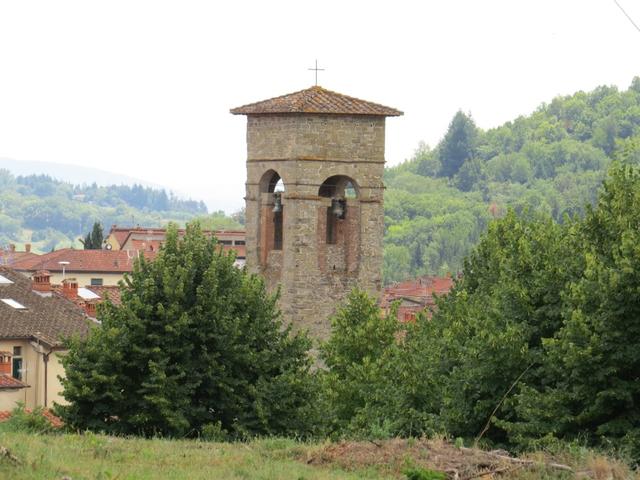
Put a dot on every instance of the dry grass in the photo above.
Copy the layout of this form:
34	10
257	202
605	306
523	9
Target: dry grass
393	456
107	458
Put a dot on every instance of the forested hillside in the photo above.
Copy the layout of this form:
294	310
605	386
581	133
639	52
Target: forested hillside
50	213
554	160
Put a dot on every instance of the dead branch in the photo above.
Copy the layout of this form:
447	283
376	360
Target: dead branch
504	458
504	397
6	453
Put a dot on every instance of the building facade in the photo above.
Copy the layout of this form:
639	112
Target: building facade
314	200
34	322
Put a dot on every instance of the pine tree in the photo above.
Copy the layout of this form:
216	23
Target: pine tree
93	240
458	145
195	343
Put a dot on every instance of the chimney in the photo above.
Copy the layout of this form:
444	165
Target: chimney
12	247
70	288
27	247
5	363
90	308
41	281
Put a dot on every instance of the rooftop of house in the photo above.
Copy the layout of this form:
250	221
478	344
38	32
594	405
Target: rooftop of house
90	293
419	290
106	261
9	255
7	382
26	314
151	235
316	100
104	292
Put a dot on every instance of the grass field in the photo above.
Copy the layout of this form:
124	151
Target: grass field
100	457
97	457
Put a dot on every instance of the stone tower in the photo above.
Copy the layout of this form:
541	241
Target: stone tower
314	199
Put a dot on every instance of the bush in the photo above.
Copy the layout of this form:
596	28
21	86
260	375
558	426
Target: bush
28	421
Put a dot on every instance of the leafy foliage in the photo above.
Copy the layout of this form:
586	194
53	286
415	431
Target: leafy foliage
28	421
356	386
197	347
553	161
538	341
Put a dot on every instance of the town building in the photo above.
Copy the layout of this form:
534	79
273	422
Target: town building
88	267
9	254
314	199
414	296
150	239
34	321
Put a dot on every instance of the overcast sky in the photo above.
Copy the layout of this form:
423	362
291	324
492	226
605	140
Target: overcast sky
144	88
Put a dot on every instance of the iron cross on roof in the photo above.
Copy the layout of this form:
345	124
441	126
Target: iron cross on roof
316	69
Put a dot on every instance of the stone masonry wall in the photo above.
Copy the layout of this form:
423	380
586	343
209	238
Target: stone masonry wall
305	150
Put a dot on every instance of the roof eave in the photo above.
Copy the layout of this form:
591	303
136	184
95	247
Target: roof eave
243	111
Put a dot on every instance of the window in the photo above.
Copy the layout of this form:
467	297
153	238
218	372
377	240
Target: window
96	282
16	368
240	242
226	242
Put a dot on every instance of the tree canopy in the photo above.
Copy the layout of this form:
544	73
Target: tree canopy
196	345
438	203
539	340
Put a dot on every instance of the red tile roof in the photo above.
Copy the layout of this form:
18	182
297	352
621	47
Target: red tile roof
49	319
106	291
120	234
108	261
316	100
9	258
145	245
7	382
417	291
55	422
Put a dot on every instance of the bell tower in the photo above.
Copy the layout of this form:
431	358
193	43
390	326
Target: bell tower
314	199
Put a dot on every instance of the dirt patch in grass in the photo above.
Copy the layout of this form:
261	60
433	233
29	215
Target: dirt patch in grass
397	455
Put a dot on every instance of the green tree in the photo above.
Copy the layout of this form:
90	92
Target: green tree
458	145
426	161
93	240
357	387
196	342
470	175
591	390
489	329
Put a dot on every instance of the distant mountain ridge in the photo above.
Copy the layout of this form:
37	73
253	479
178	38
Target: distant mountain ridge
50	213
74	174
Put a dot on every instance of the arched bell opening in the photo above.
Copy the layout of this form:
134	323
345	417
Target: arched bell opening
271	182
272	190
342	191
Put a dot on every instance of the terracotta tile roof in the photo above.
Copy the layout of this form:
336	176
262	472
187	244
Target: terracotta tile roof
146	245
417	291
9	258
104	291
55	422
316	100
114	261
45	318
120	234
155	236
7	382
